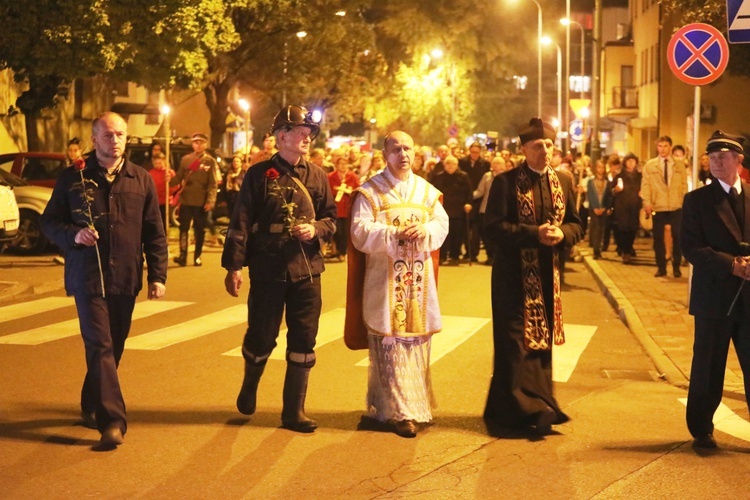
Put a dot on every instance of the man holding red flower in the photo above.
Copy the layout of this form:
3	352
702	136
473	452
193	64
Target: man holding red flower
104	214
283	212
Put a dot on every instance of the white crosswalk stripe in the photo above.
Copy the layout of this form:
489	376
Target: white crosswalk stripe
71	328
565	357
24	309
189	330
728	422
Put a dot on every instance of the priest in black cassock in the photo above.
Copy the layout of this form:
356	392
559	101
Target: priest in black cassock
530	217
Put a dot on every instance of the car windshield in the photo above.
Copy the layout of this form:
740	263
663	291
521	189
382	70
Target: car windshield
12	179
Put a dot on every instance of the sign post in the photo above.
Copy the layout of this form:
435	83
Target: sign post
698	55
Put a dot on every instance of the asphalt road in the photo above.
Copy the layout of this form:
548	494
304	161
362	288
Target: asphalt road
181	373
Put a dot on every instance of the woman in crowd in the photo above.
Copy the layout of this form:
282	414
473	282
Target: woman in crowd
627	204
234	177
599	196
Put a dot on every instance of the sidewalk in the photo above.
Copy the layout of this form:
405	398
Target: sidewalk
656	311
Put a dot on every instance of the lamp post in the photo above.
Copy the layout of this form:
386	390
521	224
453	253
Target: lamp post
545	40
165	111
245	105
538	58
567	22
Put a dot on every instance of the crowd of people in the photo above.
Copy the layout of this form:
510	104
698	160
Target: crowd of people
406	211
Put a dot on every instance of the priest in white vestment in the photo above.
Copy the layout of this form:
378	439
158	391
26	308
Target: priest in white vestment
397	220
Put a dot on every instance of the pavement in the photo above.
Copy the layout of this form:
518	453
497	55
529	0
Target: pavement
654	309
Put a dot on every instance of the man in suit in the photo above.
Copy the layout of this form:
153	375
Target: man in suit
663	187
715	229
530	217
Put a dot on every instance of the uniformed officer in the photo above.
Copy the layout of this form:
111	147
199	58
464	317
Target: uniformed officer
284	211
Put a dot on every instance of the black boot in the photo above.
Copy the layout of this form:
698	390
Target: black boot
247	397
182	259
295	389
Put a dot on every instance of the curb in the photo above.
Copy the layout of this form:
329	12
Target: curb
668	370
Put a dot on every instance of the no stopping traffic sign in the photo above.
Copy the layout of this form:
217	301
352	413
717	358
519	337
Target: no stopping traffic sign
698	54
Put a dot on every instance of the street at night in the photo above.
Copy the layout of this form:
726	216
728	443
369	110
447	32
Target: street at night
181	372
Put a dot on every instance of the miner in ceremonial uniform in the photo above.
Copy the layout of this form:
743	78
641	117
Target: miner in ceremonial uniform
530	217
283	214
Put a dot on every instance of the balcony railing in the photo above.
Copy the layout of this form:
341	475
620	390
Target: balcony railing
624	97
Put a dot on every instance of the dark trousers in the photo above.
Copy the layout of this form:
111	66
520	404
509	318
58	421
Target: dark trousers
198	217
456	234
596	231
610	228
265	307
475	236
625	240
105	324
710	349
340	237
661	219
488	245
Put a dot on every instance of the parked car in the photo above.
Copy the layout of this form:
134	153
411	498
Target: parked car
31	201
38	169
9	216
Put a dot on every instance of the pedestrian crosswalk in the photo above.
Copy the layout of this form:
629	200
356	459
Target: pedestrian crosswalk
456	330
70	328
728	422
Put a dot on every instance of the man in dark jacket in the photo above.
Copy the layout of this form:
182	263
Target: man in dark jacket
283	212
457	197
715	232
104	214
475	167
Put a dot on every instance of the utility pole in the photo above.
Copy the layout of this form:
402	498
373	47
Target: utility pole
596	80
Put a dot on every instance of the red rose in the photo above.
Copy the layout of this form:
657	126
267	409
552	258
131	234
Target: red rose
272	174
79	164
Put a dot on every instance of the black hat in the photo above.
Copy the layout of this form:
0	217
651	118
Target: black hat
537	129
198	136
720	141
292	116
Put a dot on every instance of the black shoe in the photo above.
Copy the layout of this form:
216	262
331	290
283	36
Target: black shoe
677	273
111	437
660	273
545	420
182	261
405	428
88	419
597	255
706	442
488	262
198	262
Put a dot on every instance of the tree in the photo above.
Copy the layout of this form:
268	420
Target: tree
155	43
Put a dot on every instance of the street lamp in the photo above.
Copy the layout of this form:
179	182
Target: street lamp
300	34
438	54
538	59
567	22
165	111
545	40
245	105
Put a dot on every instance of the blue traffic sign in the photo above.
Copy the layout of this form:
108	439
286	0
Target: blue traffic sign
698	54
738	21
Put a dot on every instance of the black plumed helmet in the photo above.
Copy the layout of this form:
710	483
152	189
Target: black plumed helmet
293	116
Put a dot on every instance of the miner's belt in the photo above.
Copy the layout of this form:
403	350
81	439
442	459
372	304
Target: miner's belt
272	228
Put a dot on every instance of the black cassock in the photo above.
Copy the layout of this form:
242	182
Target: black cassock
521	384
